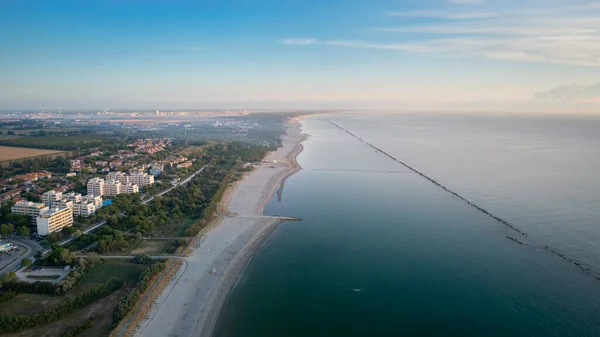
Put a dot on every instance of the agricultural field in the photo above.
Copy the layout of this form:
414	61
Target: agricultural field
58	142
12	153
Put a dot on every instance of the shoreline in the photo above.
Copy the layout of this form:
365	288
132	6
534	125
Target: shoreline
191	304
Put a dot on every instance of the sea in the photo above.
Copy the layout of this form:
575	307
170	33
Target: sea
383	251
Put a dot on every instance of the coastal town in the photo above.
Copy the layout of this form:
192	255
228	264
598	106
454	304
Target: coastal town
101	191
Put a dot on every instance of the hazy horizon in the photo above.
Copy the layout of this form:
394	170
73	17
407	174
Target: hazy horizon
476	55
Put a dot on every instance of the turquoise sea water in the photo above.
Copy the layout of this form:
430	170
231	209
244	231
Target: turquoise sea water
382	252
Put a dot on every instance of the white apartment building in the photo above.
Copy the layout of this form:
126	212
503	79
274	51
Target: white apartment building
112	188
28	208
142	179
72	196
95	187
65	203
121	177
96	200
131	188
138	178
50	197
54	220
84	209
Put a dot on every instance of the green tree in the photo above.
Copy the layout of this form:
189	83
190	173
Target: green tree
26	263
23	231
4	229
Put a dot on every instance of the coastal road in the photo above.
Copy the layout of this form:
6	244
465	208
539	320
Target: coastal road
28	249
144	202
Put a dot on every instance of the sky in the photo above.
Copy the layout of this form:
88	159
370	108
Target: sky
481	55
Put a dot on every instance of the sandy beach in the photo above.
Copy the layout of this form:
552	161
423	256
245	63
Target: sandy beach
191	304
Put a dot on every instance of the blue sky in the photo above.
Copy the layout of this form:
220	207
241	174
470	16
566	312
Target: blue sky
402	54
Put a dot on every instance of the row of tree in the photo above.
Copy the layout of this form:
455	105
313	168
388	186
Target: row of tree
15	324
126	304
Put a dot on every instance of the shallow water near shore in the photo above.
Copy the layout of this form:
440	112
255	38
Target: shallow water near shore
380	251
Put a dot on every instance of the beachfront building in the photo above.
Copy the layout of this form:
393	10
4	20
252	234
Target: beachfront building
95	187
54	220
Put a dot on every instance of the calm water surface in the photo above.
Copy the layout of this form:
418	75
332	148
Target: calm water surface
383	252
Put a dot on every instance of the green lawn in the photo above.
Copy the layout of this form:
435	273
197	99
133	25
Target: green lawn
123	270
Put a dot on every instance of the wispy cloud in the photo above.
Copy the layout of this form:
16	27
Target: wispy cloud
573	93
550	31
444	15
300	42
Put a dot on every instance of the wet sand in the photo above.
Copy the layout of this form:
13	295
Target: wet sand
190	306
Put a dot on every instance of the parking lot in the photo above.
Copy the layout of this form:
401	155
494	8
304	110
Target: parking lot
27	249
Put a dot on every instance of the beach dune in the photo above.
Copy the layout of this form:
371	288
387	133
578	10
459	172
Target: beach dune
190	305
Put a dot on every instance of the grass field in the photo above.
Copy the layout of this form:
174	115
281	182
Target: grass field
11	153
102	309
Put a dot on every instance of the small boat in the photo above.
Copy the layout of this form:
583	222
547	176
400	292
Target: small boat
214	271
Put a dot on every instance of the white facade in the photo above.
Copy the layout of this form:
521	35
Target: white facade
65	203
142	179
95	187
131	188
84	209
54	220
112	188
96	200
74	197
28	208
50	197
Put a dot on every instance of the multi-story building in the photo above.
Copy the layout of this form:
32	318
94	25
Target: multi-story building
112	188
121	177
50	197
54	220
74	197
138	178
96	200
65	203
28	208
142	179
131	188
95	187
84	209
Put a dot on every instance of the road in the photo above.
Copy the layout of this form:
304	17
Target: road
30	247
144	202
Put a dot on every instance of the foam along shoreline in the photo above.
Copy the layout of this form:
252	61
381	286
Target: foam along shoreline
191	304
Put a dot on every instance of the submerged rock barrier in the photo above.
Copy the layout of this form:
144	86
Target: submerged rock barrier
580	265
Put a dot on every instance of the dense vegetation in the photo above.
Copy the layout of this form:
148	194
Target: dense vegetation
78	329
14	324
129	302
